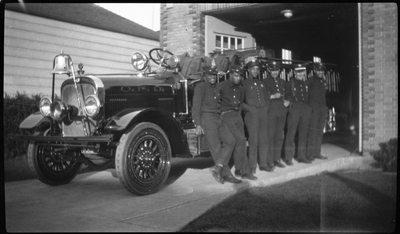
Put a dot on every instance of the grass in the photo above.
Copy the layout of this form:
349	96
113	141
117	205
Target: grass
361	201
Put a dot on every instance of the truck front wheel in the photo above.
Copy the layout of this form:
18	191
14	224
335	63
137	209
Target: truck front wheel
50	168
143	159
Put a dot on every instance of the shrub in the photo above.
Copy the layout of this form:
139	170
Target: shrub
16	109
386	156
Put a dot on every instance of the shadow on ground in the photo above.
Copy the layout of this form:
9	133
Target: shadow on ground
180	165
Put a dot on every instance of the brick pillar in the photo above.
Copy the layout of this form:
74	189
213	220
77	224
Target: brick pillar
182	28
379	32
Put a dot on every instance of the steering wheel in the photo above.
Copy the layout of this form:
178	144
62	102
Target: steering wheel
161	56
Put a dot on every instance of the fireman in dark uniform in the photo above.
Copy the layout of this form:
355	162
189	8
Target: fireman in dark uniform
317	101
298	118
255	106
207	118
232	96
277	112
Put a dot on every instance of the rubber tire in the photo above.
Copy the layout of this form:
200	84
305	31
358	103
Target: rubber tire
48	170
146	174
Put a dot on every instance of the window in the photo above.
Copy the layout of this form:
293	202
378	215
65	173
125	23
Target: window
316	59
223	42
287	54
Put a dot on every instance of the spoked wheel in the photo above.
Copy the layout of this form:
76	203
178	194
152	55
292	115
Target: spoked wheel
160	56
143	159
49	166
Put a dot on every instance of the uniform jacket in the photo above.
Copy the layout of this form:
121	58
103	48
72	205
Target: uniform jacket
296	91
232	96
255	95
275	86
316	91
205	99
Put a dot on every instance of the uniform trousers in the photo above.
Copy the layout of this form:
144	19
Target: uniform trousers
235	124
276	124
257	124
219	139
298	118
316	131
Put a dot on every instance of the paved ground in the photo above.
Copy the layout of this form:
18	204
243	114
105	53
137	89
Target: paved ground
97	202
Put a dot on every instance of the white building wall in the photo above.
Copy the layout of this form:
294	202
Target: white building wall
215	26
31	43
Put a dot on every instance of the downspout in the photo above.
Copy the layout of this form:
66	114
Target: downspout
205	35
360	113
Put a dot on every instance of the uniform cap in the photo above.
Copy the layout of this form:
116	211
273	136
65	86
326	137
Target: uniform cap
274	65
299	68
210	70
237	69
319	66
252	63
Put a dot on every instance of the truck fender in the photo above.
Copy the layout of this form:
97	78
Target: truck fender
128	118
122	119
33	121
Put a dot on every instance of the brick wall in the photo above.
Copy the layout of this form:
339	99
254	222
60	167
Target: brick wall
182	29
379	29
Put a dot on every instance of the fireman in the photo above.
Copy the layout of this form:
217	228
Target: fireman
298	118
255	106
207	118
316	98
232	96
277	112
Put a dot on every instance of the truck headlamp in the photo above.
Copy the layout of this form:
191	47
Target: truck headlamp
44	106
92	106
58	110
173	62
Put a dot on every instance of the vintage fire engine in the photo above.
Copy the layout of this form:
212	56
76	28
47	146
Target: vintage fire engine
134	123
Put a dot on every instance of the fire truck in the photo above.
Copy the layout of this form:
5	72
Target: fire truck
134	123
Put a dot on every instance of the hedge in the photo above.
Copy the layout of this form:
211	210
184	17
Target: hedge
16	109
386	156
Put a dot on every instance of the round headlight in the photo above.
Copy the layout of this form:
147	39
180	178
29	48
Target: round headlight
173	62
92	105
44	106
58	110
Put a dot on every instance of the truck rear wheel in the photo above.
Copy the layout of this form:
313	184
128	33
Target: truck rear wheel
49	168
143	159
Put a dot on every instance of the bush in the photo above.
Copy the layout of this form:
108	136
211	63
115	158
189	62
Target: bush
386	157
16	109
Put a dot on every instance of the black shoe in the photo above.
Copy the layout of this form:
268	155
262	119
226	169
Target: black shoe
310	159
249	176
321	157
238	173
288	162
232	179
304	161
279	164
267	168
216	171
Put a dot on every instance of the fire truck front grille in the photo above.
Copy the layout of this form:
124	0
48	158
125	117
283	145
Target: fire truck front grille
68	96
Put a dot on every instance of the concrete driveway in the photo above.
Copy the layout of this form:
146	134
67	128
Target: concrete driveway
97	202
